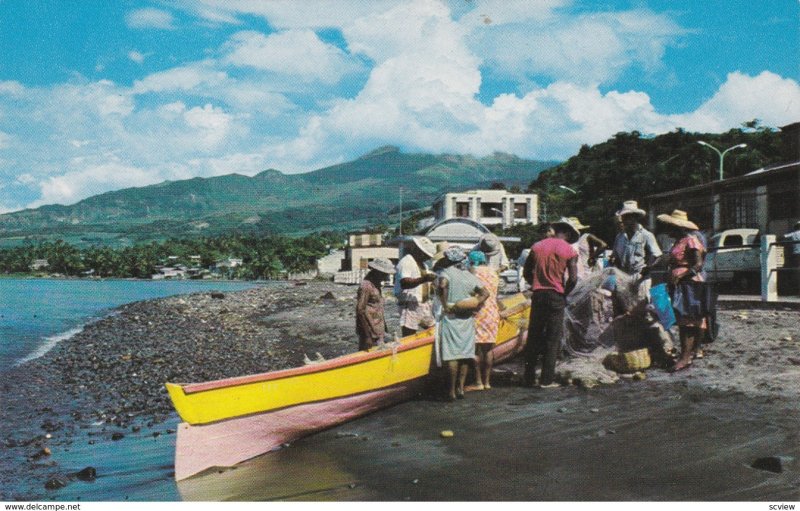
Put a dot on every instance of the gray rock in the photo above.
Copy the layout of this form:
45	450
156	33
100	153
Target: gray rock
55	483
88	474
768	463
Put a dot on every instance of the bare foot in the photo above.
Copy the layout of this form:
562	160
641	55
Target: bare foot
681	365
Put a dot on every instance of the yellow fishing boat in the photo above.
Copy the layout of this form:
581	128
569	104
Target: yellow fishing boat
231	420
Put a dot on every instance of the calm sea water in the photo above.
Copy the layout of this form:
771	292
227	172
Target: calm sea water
35	314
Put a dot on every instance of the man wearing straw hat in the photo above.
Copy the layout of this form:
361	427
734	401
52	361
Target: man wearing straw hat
635	248
411	286
370	319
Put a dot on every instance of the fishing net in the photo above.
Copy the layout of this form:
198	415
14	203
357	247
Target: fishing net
595	316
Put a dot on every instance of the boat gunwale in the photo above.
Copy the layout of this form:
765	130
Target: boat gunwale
334	363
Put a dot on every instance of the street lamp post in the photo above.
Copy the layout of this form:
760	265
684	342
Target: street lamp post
502	216
567	188
721	154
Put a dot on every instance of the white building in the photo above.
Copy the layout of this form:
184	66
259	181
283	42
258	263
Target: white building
489	207
231	262
363	248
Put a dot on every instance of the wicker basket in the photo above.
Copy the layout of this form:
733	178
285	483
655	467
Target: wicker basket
637	360
628	362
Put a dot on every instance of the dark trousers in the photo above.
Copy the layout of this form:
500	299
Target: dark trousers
544	335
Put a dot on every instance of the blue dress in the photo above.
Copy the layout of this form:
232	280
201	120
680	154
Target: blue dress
457	331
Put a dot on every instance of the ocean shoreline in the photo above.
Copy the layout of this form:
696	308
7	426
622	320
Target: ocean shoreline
100	394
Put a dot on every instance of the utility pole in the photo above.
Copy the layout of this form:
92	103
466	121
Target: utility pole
401	211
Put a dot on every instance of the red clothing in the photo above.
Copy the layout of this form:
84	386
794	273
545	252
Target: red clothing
552	256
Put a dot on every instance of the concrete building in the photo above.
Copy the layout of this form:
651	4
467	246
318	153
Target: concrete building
488	207
331	263
765	199
231	262
363	248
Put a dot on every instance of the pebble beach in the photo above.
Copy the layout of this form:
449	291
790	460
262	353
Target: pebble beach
91	419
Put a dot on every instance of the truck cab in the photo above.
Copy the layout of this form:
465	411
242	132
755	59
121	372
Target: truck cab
734	258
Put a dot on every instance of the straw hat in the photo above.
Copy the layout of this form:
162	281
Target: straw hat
678	218
490	244
425	245
577	223
631	207
440	249
382	265
570	228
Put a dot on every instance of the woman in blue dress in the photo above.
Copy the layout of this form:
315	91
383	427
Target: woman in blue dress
460	293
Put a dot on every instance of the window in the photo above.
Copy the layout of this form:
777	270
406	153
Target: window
462	209
491	210
733	240
739	210
520	210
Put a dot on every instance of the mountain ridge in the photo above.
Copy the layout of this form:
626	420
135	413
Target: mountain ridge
341	196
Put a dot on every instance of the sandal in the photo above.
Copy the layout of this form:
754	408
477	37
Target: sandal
460	394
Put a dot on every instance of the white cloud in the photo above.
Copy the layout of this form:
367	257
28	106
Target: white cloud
300	53
150	18
287	14
25	179
136	56
11	88
586	49
210	123
232	112
183	78
91	180
768	97
501	12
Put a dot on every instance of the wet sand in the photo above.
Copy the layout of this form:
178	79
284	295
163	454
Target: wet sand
100	397
631	441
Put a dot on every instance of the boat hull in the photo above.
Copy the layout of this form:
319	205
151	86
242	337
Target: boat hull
227	443
230	421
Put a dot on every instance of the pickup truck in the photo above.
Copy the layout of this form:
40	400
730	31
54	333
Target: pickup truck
734	258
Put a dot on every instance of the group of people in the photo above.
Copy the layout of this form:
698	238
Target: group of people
456	290
565	255
447	286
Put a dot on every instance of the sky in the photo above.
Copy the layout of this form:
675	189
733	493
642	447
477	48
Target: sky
99	95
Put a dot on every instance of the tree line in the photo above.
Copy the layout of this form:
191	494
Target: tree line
263	257
632	165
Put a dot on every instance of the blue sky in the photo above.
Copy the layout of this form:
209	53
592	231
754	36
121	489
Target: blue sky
98	95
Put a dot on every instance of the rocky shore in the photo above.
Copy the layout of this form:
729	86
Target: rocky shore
107	382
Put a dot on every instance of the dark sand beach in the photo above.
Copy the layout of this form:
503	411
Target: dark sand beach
98	400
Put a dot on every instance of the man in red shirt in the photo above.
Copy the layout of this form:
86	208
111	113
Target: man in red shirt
548	262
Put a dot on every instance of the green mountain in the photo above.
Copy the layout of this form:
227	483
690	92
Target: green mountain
345	196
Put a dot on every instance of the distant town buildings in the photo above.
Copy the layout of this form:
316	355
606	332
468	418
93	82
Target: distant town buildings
329	265
364	247
231	262
360	250
39	264
488	207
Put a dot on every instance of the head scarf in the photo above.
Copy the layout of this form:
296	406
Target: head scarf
477	258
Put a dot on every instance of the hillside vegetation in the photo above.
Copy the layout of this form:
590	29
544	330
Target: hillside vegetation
350	195
633	166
